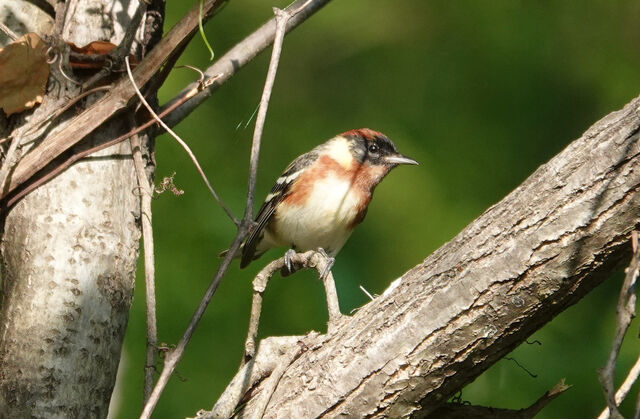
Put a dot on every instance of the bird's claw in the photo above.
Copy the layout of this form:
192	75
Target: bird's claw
288	259
329	263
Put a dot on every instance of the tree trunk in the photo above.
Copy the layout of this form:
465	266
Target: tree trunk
522	262
69	252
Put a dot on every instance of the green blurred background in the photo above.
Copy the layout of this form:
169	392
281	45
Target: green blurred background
479	92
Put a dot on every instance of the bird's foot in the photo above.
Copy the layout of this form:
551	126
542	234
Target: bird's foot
288	262
329	263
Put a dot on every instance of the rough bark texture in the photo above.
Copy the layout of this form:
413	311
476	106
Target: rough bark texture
475	299
69	254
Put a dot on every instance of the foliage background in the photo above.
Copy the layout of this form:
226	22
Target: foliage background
480	93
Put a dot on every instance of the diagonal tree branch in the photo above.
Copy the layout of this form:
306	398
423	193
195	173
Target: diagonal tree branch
111	103
241	54
220	72
521	263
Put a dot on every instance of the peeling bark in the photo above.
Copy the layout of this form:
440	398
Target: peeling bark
69	253
444	322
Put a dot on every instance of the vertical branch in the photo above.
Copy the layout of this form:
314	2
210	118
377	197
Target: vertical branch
172	358
149	265
282	17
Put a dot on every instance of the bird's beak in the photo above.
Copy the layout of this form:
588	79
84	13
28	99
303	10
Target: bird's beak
399	159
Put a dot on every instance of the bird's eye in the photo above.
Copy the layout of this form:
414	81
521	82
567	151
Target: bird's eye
373	149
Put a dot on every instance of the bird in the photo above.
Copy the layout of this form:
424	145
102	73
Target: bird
323	195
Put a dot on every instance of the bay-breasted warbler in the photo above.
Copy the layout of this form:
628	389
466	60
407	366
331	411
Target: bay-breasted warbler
323	195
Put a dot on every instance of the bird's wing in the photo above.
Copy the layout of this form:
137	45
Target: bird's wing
280	190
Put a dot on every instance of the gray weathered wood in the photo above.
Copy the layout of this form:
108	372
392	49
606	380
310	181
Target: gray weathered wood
69	253
523	261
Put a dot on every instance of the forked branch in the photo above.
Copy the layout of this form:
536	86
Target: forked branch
626	310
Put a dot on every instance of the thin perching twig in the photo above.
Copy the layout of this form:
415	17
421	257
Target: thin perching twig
307	260
145	194
172	358
625	313
184	145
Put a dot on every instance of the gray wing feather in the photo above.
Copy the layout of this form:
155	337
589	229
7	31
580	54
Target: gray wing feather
279	191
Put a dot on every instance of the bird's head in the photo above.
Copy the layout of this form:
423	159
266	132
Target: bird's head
373	148
366	155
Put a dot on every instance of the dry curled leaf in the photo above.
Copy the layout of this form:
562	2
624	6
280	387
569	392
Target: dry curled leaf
24	72
93	48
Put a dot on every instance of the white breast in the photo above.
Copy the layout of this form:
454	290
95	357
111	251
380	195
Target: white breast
324	221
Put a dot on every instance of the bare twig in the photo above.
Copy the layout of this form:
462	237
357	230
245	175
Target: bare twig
184	145
281	22
36	126
79	155
110	104
367	293
307	260
224	68
462	411
7	31
241	54
545	399
626	313
145	194
624	388
172	359
161	76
